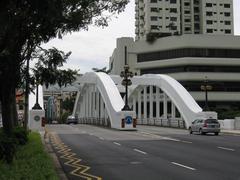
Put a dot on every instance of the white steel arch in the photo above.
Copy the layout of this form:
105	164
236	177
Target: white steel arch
101	92
181	98
110	96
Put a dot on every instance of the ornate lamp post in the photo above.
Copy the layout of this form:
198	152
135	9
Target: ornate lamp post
126	75
206	87
37	106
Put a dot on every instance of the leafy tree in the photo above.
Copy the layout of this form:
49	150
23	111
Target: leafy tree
25	24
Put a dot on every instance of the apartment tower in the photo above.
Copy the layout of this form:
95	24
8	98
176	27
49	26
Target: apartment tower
177	17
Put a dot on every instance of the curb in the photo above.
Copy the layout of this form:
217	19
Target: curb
48	148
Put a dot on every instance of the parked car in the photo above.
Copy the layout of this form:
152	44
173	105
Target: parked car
203	126
72	120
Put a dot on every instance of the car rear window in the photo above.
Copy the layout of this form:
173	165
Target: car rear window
212	121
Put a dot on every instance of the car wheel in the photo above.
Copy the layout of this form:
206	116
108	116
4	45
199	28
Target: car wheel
190	130
216	133
200	131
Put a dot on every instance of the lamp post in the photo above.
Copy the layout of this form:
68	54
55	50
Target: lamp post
206	87
126	75
36	105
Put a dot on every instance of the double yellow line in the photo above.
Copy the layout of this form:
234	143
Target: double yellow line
71	159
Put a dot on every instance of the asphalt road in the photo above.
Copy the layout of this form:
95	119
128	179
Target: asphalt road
151	153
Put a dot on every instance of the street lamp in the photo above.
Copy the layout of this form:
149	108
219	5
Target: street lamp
126	75
206	87
36	105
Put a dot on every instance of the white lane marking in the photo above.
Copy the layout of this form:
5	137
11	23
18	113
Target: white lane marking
137	150
101	138
91	134
188	142
158	136
224	148
171	139
181	165
117	143
135	162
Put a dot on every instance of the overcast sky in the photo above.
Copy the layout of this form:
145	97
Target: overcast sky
93	48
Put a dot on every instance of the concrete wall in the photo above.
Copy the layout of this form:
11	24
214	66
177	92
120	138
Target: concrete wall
230	124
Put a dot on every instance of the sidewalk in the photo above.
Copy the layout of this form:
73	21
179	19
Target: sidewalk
226	131
46	142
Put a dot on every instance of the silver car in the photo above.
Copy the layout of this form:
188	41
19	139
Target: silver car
203	126
71	120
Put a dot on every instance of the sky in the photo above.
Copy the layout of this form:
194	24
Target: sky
92	48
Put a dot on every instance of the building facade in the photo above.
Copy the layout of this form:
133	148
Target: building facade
175	17
190	59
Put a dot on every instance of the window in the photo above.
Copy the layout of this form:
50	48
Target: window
196	2
209	22
196	9
209	30
227	14
186	4
189	52
154	27
173	1
173	18
187	29
208	13
208	4
154	18
227	31
226	5
154	9
196	18
196	26
187	12
227	22
173	10
187	20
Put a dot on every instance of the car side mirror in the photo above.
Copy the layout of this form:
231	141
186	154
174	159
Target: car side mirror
192	122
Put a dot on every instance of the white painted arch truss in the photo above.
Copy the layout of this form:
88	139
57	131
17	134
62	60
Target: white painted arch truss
155	98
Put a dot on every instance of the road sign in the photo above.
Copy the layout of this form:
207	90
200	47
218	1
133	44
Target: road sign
128	119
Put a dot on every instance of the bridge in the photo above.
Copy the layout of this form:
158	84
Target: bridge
154	100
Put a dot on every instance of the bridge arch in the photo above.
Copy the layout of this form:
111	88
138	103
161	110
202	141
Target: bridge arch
99	101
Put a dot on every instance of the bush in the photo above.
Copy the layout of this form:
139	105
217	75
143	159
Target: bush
8	143
7	147
64	117
21	135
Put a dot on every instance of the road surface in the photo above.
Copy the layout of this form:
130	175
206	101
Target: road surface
151	153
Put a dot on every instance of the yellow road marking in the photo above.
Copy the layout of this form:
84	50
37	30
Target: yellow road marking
66	153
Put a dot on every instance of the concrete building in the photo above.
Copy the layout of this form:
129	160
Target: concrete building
190	59
175	17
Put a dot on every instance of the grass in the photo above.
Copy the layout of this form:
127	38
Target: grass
31	163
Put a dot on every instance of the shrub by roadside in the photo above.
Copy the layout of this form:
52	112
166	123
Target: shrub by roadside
31	162
10	142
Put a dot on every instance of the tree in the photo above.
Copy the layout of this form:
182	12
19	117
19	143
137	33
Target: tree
25	24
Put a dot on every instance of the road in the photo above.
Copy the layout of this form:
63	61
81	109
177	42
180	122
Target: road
151	153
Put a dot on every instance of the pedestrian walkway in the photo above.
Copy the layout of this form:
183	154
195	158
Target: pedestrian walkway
237	132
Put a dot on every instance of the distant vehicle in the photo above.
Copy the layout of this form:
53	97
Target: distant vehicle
203	126
71	120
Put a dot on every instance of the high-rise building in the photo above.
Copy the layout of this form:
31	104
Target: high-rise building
175	17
